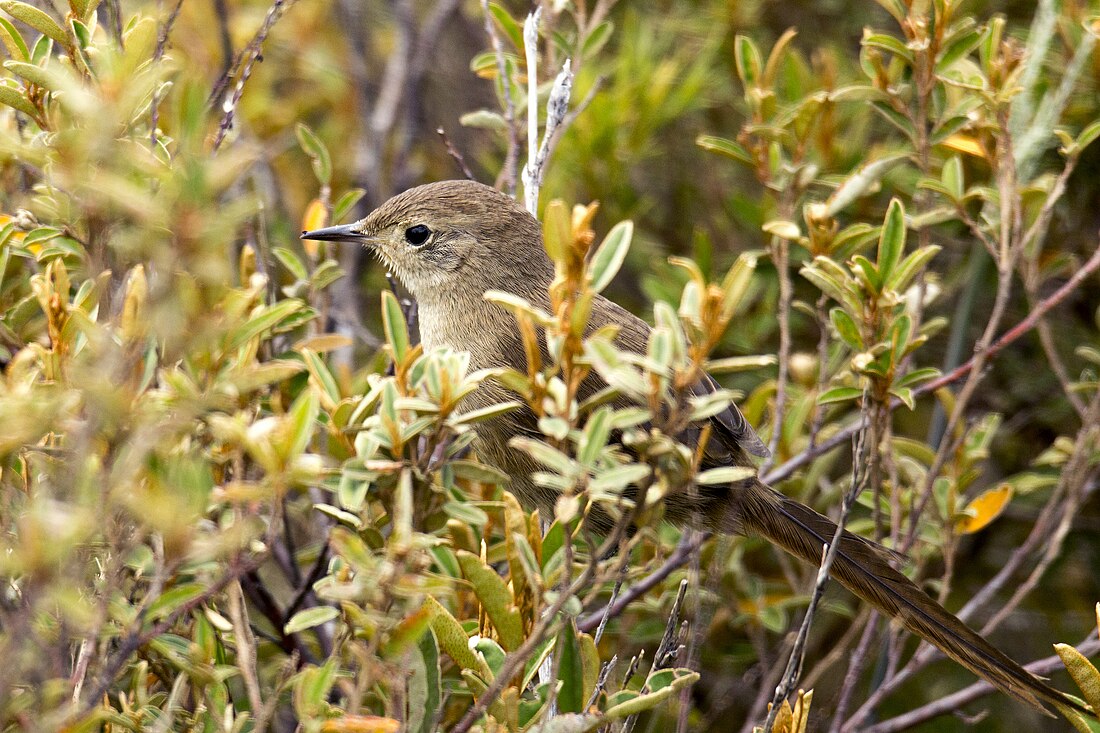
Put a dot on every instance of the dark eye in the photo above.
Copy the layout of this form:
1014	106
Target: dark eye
417	235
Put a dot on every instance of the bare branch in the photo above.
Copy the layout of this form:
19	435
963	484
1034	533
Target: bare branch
252	54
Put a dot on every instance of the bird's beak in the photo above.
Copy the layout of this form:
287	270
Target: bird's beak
341	233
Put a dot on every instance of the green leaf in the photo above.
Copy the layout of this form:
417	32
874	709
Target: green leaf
735	285
891	242
310	617
905	395
466	513
321	375
81	32
318	153
42	50
609	257
663	684
725	147
557	231
291	262
839	394
84	8
485	413
747	58
36	19
570	670
917	376
1083	673
546	455
861	182
910	267
453	639
16	100
511	27
952	177
483	119
346	203
739	364
393	322
614	480
33	73
173	599
833	281
1087	136
425	686
597	39
782	229
958	47
846	327
312	688
889	44
474	471
13	41
896	119
495	598
265	320
303	416
594	438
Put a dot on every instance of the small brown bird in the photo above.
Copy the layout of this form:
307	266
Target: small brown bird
450	242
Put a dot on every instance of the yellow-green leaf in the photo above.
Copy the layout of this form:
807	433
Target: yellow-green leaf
495	598
309	618
13	41
610	255
15	99
452	639
557	230
393	322
36	19
1083	673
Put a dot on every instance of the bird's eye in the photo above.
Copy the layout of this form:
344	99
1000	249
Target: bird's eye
417	235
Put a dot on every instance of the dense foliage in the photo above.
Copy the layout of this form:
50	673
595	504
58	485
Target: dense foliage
237	495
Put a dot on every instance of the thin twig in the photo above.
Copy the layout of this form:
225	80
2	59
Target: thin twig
252	54
601	681
531	56
798	651
781	255
683	552
665	655
511	158
610	602
455	154
557	108
158	54
246	645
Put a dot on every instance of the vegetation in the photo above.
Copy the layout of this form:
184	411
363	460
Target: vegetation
236	494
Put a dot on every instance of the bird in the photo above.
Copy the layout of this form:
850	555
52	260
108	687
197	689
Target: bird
450	242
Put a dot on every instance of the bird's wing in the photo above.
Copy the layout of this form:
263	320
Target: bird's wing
731	423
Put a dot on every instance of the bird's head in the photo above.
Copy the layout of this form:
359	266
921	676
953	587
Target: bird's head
452	235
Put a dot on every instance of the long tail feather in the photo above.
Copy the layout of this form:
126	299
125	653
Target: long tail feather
863	568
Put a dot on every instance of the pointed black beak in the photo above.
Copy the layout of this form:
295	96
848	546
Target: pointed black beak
341	233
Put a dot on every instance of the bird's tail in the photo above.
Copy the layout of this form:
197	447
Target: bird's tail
863	567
